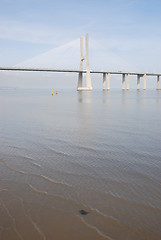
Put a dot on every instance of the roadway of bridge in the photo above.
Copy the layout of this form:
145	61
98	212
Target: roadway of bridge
74	71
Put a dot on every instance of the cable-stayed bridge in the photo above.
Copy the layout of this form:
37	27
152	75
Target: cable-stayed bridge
88	86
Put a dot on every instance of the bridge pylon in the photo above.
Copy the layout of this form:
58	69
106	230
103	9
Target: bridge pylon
86	58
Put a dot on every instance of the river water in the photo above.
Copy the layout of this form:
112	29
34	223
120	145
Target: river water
94	151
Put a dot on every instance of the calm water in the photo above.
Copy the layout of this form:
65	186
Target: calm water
97	151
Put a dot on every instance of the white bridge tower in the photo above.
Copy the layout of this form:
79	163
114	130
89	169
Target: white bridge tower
82	58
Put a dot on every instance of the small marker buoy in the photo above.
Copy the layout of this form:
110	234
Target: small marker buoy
56	92
52	92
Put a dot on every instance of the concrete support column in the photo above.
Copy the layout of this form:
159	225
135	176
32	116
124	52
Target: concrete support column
128	82
80	76
108	81
88	75
123	81
104	81
138	82
80	80
144	81
158	82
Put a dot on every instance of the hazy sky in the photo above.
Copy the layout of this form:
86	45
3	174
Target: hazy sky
124	34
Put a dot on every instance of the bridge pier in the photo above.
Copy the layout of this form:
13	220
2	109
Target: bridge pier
80	80
138	82
158	82
144	81
80	75
128	82
108	81
123	81
104	81
88	75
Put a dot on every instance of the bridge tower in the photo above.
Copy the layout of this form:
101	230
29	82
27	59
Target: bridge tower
82	58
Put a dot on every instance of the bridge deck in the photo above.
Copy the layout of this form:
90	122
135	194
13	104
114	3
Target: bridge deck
74	71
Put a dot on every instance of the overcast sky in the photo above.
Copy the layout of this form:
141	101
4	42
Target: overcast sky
123	34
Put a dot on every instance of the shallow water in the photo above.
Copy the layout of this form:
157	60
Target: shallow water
97	151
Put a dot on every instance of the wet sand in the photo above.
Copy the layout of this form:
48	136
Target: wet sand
28	213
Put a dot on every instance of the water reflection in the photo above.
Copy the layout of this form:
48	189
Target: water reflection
85	113
105	96
84	96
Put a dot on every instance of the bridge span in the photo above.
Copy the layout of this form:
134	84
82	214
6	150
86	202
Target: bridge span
106	75
88	72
